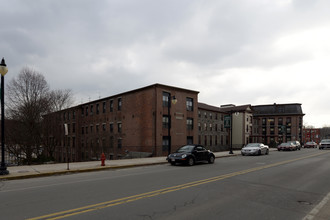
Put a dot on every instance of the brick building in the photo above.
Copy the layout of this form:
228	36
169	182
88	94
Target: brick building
142	120
211	131
277	123
311	134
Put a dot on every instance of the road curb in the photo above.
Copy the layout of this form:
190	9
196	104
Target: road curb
85	170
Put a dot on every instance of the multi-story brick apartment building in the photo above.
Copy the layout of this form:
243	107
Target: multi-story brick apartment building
311	134
277	123
142	120
241	124
211	131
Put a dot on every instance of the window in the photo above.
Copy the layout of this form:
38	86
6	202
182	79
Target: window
189	103
190	140
119	143
119	104
111	105
166	96
210	115
97	108
119	127
104	107
280	121
91	129
166	123
92	107
111	141
210	127
190	124
111	127
166	143
86	110
103	127
97	128
86	129
288	121
199	127
82	130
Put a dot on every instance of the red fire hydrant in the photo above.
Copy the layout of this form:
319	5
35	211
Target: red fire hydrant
102	159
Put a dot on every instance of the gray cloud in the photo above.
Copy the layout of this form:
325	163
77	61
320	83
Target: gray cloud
230	51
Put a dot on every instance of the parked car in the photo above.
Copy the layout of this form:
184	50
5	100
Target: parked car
310	144
287	146
255	149
297	144
191	154
325	143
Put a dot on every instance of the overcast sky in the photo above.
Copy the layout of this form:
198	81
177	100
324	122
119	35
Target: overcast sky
231	51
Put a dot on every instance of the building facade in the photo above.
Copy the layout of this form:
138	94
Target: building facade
152	120
311	134
211	131
277	123
241	129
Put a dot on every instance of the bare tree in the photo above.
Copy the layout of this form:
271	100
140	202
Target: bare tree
60	99
29	99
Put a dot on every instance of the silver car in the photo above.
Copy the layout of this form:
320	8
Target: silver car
325	143
255	149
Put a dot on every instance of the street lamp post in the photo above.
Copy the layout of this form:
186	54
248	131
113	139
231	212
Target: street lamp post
231	133
3	71
170	100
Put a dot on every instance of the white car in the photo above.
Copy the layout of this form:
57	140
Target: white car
325	143
255	149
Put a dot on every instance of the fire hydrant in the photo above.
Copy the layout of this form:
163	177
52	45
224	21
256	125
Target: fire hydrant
102	159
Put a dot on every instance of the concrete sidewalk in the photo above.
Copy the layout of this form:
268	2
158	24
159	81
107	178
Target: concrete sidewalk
22	172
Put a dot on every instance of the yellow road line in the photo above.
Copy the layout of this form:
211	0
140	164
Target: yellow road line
102	205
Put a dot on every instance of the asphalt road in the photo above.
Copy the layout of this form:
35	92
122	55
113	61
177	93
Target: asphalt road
282	185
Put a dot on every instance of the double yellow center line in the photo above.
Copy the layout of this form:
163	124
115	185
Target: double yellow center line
102	205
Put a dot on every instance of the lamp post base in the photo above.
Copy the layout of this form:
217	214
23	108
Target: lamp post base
3	171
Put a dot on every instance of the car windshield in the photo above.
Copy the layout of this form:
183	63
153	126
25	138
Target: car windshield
286	144
325	141
186	148
252	145
310	143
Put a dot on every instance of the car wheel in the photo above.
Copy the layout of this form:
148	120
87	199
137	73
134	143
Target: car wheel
191	161
211	159
243	154
172	163
267	152
259	152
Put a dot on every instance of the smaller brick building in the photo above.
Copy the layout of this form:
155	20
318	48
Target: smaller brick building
211	131
311	134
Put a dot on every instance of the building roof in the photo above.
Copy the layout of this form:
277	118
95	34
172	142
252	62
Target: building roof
234	108
210	107
277	109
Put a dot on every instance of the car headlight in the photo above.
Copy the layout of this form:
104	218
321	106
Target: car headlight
184	156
